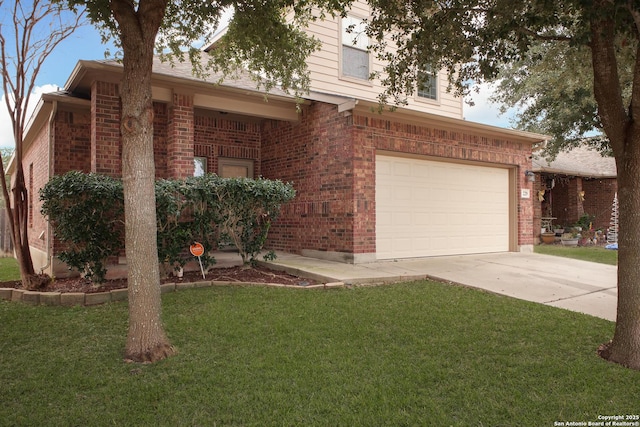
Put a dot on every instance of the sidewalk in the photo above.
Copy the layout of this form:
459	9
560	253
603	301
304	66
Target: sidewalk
575	285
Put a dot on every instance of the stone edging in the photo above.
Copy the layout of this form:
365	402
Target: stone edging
95	298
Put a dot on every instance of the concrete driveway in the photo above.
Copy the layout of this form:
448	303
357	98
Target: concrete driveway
575	285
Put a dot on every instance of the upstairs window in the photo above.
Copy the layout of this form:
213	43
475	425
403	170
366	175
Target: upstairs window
428	84
355	56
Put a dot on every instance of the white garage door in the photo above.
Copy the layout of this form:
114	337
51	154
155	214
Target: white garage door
427	208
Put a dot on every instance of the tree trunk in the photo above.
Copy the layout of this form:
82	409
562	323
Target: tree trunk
17	203
624	348
146	340
18	221
622	127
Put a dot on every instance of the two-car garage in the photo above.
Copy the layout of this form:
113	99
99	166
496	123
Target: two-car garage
429	208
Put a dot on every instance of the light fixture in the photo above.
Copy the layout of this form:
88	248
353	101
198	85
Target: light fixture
531	177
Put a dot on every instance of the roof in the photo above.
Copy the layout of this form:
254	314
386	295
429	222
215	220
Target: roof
182	71
579	161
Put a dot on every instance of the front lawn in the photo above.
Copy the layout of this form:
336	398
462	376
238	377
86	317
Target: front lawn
411	354
585	253
9	269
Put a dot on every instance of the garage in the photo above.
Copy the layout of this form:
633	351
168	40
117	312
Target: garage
430	208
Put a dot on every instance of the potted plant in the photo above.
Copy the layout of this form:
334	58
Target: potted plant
570	238
548	237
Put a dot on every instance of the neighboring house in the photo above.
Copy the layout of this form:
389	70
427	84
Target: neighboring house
577	182
420	181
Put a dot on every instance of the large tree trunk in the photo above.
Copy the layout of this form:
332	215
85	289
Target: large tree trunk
622	126
146	340
625	346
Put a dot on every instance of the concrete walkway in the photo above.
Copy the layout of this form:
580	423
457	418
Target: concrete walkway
575	285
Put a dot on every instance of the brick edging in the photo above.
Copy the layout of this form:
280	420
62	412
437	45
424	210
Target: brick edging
97	298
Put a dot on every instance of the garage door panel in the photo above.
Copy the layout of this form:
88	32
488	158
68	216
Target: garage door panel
427	208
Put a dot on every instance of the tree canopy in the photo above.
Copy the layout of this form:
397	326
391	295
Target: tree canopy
552	90
537	51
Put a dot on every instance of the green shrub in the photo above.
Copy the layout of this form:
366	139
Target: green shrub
247	208
185	215
174	234
86	212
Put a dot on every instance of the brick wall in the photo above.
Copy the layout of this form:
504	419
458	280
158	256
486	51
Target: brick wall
316	155
598	200
180	134
160	117
331	160
218	137
105	129
35	164
72	142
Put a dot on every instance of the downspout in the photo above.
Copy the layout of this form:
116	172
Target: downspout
52	116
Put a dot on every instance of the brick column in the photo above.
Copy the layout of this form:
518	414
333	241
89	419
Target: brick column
180	131
576	206
105	129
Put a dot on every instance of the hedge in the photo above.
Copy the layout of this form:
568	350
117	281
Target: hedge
86	212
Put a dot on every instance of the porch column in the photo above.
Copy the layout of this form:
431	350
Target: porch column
180	134
576	205
105	129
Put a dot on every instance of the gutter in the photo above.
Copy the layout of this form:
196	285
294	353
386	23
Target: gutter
49	233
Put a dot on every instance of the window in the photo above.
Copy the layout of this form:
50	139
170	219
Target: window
235	168
355	56
428	84
199	166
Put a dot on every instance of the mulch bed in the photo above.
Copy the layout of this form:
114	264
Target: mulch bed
258	274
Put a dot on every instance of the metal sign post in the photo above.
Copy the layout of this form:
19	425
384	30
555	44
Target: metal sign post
197	249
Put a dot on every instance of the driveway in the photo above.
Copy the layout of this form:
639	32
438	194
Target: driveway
575	285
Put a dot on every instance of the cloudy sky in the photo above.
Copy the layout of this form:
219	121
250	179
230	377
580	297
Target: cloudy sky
86	44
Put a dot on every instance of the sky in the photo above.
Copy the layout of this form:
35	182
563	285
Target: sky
85	44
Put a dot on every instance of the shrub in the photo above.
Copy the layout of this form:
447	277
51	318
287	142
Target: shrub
247	208
86	212
184	214
174	233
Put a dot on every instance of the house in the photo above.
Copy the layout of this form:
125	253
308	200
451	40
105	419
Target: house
576	183
419	181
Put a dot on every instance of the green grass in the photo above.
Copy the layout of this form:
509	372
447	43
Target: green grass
421	353
585	253
9	269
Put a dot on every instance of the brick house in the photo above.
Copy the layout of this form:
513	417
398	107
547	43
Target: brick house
577	182
419	181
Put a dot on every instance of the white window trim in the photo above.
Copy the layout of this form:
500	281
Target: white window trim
341	76
429	100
